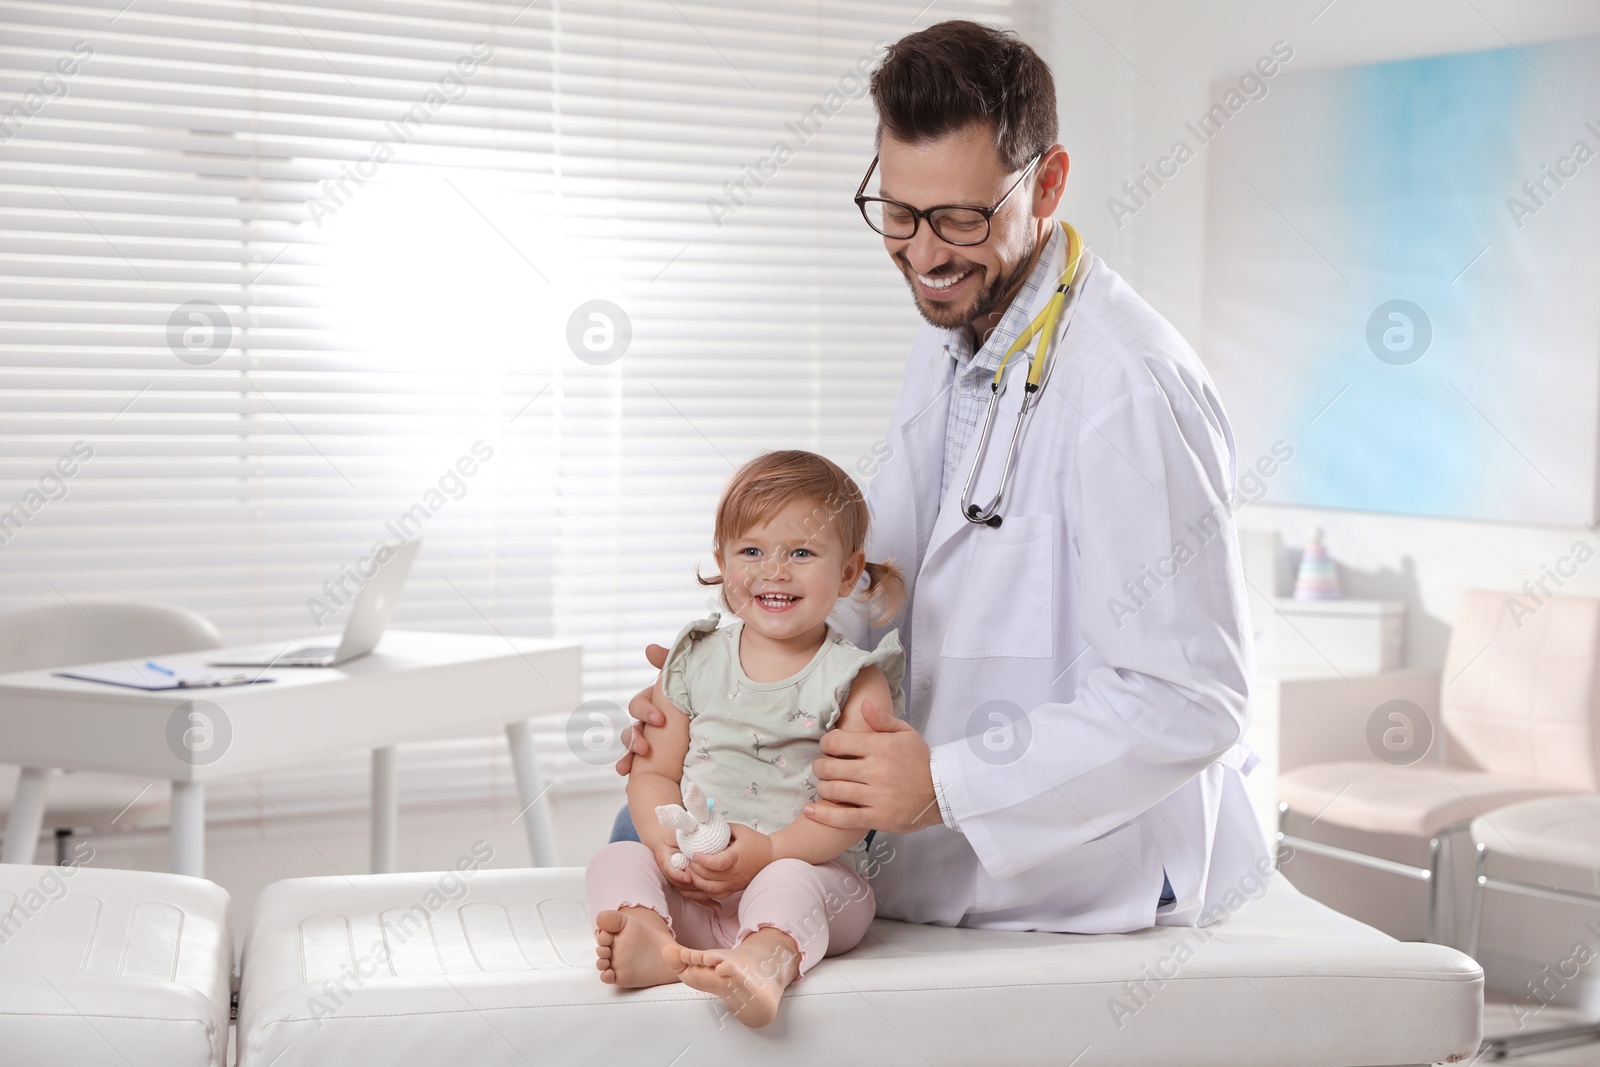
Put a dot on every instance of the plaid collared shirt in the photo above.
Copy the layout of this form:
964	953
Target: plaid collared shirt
972	374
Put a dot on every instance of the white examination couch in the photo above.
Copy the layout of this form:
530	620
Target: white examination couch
109	968
497	968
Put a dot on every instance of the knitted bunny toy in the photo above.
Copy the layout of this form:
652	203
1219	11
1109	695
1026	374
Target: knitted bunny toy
701	828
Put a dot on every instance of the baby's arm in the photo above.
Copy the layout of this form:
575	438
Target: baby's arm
807	839
657	778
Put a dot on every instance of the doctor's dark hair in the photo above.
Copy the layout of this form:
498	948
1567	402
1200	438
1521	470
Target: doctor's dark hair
952	74
774	480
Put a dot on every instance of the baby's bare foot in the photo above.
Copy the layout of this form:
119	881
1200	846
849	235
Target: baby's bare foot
750	979
628	948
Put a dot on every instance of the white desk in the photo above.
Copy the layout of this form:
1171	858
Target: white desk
415	686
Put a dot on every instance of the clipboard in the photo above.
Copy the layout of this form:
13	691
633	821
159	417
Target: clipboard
132	677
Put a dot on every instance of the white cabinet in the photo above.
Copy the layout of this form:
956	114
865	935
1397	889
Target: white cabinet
1336	636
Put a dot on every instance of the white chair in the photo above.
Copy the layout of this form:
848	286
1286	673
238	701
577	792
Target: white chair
1519	713
1563	832
107	968
496	968
60	635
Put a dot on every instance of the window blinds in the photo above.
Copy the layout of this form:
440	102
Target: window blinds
283	281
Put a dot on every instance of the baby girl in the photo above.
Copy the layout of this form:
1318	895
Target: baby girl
746	707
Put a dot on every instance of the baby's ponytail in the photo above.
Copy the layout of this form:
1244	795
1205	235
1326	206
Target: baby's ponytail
885	591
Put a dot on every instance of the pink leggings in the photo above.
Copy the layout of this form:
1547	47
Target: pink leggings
825	907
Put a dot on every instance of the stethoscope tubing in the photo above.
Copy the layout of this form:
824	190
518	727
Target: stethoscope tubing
1046	348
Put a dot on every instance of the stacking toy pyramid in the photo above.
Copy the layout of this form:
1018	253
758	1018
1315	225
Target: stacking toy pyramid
1317	579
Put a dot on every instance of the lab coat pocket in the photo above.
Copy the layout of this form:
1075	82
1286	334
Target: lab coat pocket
1007	596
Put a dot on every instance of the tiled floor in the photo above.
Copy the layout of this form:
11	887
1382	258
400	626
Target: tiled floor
1498	1019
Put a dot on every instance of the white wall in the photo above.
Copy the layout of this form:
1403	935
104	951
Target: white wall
1129	75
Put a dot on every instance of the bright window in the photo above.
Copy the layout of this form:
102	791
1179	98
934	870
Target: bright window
280	266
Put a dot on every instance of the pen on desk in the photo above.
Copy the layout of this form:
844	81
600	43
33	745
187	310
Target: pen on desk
158	667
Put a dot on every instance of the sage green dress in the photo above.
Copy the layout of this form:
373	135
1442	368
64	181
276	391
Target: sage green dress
751	744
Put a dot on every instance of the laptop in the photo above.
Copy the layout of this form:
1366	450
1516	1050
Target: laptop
369	616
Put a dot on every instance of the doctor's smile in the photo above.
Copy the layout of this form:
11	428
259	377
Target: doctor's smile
940	287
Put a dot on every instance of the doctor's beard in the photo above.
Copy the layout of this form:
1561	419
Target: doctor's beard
988	300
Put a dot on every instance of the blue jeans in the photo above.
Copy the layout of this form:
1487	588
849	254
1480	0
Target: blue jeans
622	827
622	830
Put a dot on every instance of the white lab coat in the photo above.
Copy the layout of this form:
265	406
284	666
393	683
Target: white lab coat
1136	713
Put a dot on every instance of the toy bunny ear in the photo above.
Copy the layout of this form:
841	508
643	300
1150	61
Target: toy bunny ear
694	799
675	818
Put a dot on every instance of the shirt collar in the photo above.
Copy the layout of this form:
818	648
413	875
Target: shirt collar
958	343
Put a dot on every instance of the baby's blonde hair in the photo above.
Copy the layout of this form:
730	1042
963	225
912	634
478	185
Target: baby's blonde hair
772	481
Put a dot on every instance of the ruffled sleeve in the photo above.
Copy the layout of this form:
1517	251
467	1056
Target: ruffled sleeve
674	673
887	657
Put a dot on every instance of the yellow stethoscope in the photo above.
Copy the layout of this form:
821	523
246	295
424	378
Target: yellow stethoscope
1058	311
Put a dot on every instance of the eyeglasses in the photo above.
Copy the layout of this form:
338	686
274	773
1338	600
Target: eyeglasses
953	224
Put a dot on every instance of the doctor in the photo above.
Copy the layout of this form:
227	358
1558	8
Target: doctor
1078	678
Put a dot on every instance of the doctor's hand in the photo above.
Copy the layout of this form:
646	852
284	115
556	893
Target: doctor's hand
725	873
875	781
640	708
